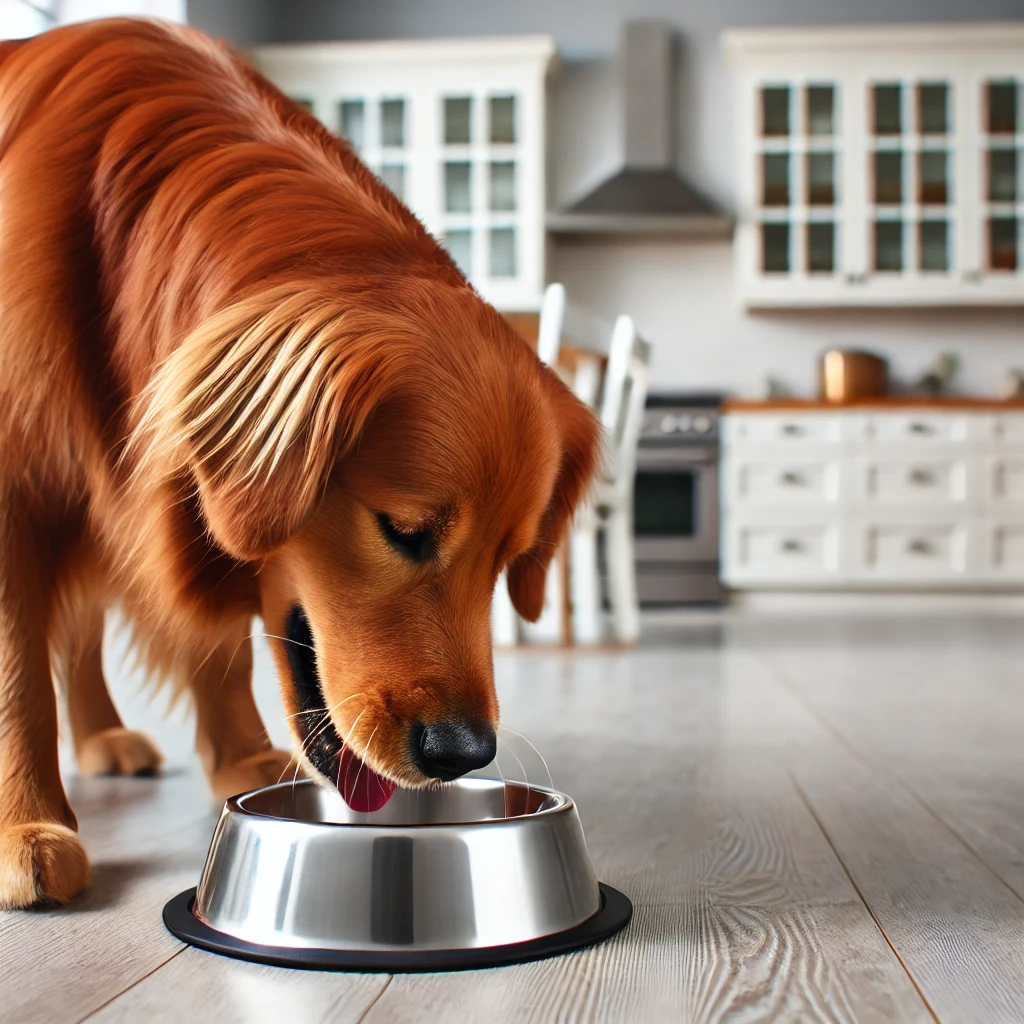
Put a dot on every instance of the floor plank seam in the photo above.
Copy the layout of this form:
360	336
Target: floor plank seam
376	999
160	966
860	895
780	676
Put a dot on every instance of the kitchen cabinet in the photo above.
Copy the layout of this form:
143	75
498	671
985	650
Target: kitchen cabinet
880	166
455	128
879	495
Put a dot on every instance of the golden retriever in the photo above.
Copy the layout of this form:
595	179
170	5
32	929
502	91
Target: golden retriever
239	379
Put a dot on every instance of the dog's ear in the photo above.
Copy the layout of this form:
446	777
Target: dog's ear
580	448
257	404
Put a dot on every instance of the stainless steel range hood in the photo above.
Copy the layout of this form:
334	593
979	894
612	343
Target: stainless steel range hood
648	196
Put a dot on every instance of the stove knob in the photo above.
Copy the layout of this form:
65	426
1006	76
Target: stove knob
684	424
668	424
702	424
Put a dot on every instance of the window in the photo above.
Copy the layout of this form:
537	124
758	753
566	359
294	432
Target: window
799	178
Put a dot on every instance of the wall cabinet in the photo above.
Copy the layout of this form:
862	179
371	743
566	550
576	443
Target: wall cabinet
880	166
455	128
874	497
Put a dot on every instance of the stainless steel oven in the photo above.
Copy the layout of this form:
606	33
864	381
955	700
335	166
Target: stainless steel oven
675	501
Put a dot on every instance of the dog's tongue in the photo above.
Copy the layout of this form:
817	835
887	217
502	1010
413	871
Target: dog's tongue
363	789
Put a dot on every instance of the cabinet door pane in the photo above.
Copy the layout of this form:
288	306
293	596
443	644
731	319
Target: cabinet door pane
393	176
775	248
934	244
887	116
458	113
933	108
459	244
503	252
888	177
821	247
820	110
353	122
392	123
503	119
1002	108
821	178
775	167
1002	243
1002	175
503	185
933	183
888	245
457	193
775	110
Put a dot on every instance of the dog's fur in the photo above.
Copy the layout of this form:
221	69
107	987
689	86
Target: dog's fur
225	349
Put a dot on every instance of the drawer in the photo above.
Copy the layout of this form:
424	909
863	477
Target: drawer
914	481
1006	551
791	428
1007	428
772	552
1006	480
909	552
919	427
789	482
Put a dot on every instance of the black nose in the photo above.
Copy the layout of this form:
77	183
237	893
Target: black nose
446	750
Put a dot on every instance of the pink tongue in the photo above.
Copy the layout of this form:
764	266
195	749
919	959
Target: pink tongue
363	789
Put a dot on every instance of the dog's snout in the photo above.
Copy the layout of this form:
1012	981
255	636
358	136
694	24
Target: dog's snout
446	750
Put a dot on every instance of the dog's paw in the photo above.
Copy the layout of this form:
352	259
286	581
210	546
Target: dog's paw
119	752
40	863
262	769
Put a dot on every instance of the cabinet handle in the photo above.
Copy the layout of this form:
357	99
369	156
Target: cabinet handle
792	429
920	546
921	429
922	477
791	547
791	479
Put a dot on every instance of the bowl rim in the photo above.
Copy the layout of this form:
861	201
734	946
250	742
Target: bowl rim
564	805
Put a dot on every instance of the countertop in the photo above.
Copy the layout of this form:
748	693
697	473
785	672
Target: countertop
941	402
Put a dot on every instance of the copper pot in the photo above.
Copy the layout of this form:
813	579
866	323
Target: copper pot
848	375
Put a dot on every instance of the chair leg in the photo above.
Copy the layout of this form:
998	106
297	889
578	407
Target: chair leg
504	621
622	577
584	584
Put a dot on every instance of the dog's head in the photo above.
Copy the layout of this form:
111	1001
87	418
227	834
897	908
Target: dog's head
383	466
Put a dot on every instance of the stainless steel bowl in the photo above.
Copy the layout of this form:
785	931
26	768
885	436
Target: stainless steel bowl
474	864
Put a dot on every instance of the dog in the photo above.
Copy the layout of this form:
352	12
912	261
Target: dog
240	380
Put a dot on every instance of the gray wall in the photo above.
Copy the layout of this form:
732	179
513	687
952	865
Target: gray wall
680	294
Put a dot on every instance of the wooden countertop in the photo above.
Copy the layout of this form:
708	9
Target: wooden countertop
893	402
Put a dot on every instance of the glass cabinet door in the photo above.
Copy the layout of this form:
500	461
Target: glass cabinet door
1002	176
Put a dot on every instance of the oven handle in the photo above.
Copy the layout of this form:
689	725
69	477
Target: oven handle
660	462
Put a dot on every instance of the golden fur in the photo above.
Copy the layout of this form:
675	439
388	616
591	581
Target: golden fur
227	350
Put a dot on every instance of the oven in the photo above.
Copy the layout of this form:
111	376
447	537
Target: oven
675	501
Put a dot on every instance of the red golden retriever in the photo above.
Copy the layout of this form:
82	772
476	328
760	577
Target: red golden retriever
239	379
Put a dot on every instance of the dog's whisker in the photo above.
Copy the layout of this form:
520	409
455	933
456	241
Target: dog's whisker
533	747
362	761
316	711
509	748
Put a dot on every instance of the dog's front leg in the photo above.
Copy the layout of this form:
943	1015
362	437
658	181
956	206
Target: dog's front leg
41	858
230	736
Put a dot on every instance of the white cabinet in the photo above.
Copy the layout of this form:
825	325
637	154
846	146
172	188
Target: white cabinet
880	166
899	497
455	128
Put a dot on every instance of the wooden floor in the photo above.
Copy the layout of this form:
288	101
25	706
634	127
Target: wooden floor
817	818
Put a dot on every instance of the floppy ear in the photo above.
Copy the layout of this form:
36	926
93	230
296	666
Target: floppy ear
258	403
581	448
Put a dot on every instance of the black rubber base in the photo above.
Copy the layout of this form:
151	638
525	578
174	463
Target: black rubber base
614	915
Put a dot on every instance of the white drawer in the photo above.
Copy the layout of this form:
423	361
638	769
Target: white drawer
909	552
1005	551
918	427
1006	480
1007	428
789	482
778	553
788	428
914	481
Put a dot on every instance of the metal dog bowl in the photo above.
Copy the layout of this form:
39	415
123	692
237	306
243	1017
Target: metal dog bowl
477	873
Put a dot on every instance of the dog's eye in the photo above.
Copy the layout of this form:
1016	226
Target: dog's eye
417	546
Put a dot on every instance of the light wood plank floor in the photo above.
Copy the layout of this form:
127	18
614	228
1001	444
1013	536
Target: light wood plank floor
817	818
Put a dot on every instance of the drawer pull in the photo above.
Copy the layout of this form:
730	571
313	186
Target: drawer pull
921	429
792	430
922	477
791	546
920	547
791	479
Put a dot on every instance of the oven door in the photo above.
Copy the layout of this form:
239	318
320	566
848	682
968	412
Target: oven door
675	504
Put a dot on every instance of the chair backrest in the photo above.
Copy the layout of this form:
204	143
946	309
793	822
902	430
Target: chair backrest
552	316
